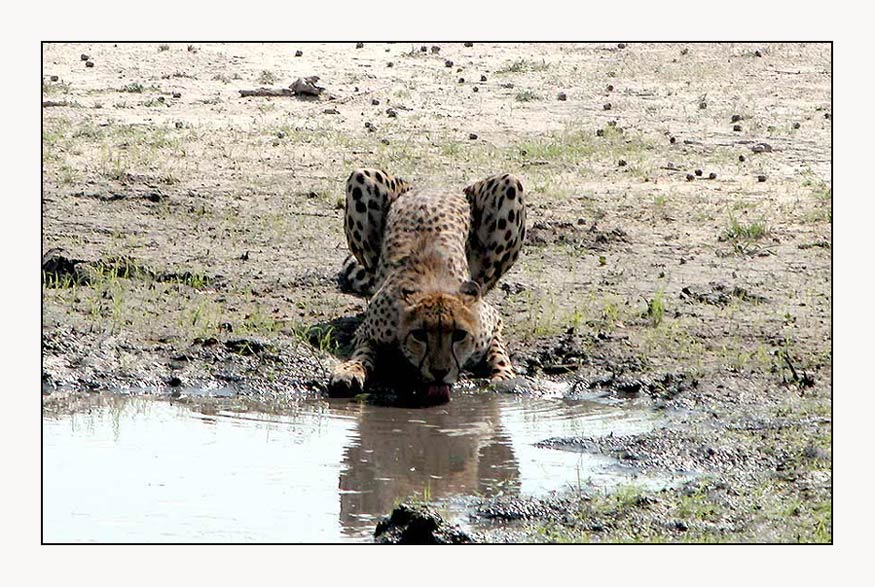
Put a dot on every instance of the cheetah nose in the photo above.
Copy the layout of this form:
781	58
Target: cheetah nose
439	374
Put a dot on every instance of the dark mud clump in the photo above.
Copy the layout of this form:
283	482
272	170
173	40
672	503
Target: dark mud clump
663	386
718	294
564	354
559	232
418	524
59	270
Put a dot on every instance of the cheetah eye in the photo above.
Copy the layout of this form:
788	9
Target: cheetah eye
419	334
459	335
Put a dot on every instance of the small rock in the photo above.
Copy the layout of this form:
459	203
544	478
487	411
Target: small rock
703	105
483	79
461	80
672	140
827	115
736	118
370	127
741	158
690	177
621	163
390	64
761	178
610	88
298	53
796	125
177	94
698	172
607	106
469	44
53	78
435	49
712	175
375	102
472	136
736	128
179	124
331	111
391	112
684	51
174	381
761	148
89	64
84	57
384	141
476	89
448	63
561	96
280	135
600	132
424	49
621	45
759	52
359	45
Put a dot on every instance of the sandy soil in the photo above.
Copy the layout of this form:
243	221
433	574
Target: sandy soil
192	240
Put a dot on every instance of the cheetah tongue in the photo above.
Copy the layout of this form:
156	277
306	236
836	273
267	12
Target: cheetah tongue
438	393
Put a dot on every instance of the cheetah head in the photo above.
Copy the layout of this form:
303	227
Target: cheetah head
437	333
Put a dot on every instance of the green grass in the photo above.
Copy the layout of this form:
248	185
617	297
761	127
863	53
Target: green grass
266	77
752	231
526	96
656	309
523	66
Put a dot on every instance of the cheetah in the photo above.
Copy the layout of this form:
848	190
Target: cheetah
426	258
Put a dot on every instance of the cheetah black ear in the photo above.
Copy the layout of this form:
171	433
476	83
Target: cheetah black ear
470	289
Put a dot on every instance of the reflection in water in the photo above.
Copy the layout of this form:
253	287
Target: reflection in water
133	469
458	448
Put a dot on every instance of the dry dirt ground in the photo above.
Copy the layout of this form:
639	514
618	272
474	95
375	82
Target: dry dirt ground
679	242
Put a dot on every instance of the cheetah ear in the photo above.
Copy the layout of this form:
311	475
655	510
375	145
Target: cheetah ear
470	291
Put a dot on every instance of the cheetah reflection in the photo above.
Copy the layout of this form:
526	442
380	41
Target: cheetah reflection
457	448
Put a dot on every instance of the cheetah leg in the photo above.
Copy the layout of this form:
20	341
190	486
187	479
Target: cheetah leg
349	377
369	193
498	227
498	361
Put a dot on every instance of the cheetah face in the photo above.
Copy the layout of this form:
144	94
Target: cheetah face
438	331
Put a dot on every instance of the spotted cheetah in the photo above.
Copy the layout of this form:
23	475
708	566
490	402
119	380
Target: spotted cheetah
426	258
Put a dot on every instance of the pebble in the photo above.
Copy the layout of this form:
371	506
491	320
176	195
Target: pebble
698	172
384	141
359	45
84	57
684	51
375	102
391	113
621	45
53	78
469	44
448	63
331	111
827	115
712	175
600	132
761	178
702	105
476	89
177	94
607	106
610	87
690	177
741	158
435	49
483	79
89	64
461	80
672	140
472	136
424	49
280	135
736	118
561	96
298	53
759	52
621	163
390	64
736	128
796	125
179	124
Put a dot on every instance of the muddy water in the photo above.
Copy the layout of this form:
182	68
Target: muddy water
139	470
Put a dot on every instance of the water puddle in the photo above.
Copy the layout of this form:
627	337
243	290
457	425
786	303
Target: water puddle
139	470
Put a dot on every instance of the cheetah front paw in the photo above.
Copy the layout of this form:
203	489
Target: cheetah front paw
347	379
